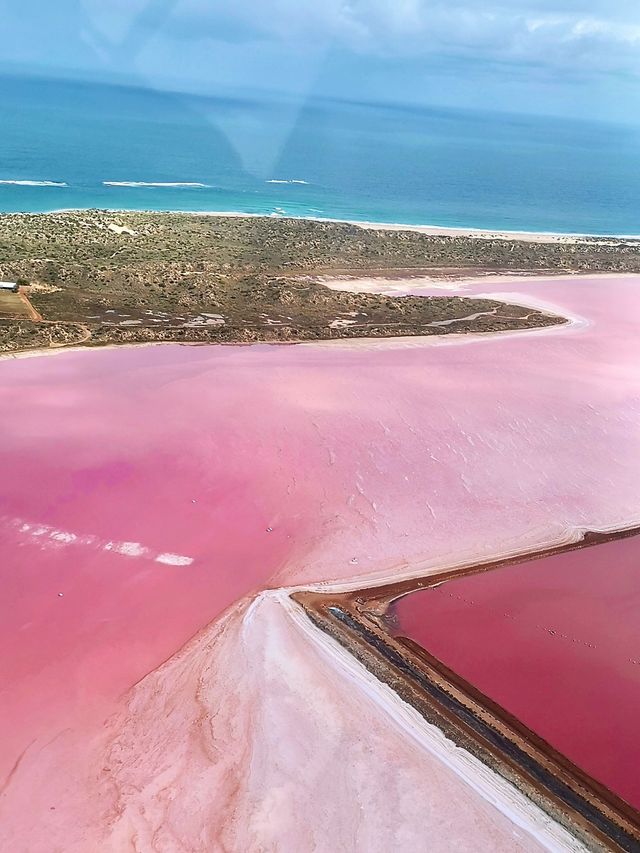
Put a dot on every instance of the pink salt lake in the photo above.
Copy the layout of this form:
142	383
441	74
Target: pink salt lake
555	643
148	494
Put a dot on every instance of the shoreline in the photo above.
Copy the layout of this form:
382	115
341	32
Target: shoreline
346	343
257	273
427	229
570	322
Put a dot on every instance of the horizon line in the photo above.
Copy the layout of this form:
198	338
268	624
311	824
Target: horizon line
248	95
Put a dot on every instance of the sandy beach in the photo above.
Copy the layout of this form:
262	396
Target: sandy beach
433	230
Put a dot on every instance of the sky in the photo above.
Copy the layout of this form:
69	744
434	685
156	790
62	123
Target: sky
579	58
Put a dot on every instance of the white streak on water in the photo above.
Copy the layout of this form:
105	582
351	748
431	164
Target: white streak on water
35	183
174	560
47	536
127	549
192	184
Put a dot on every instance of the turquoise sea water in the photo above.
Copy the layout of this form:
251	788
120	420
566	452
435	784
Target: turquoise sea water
312	158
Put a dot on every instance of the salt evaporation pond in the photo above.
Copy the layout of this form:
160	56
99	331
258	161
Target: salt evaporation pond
556	643
145	491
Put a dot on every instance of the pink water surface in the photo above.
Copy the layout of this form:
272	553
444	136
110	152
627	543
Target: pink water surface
554	641
264	466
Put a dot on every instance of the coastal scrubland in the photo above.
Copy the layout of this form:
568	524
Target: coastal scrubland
99	277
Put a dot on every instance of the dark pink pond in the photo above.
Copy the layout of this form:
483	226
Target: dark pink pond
554	641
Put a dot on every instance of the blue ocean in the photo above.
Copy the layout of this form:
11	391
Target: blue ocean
84	145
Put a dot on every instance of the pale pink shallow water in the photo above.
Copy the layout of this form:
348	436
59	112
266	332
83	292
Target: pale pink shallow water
230	469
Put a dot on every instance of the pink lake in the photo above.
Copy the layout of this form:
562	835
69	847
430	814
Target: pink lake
144	491
556	643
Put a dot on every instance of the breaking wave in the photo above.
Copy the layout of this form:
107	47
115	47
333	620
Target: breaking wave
21	183
281	181
192	184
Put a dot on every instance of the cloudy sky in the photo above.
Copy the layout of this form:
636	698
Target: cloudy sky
571	57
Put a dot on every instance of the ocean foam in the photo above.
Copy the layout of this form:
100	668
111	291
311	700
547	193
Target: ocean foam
21	183
279	181
193	184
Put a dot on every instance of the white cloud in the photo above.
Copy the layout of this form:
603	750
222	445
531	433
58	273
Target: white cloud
580	34
579	57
